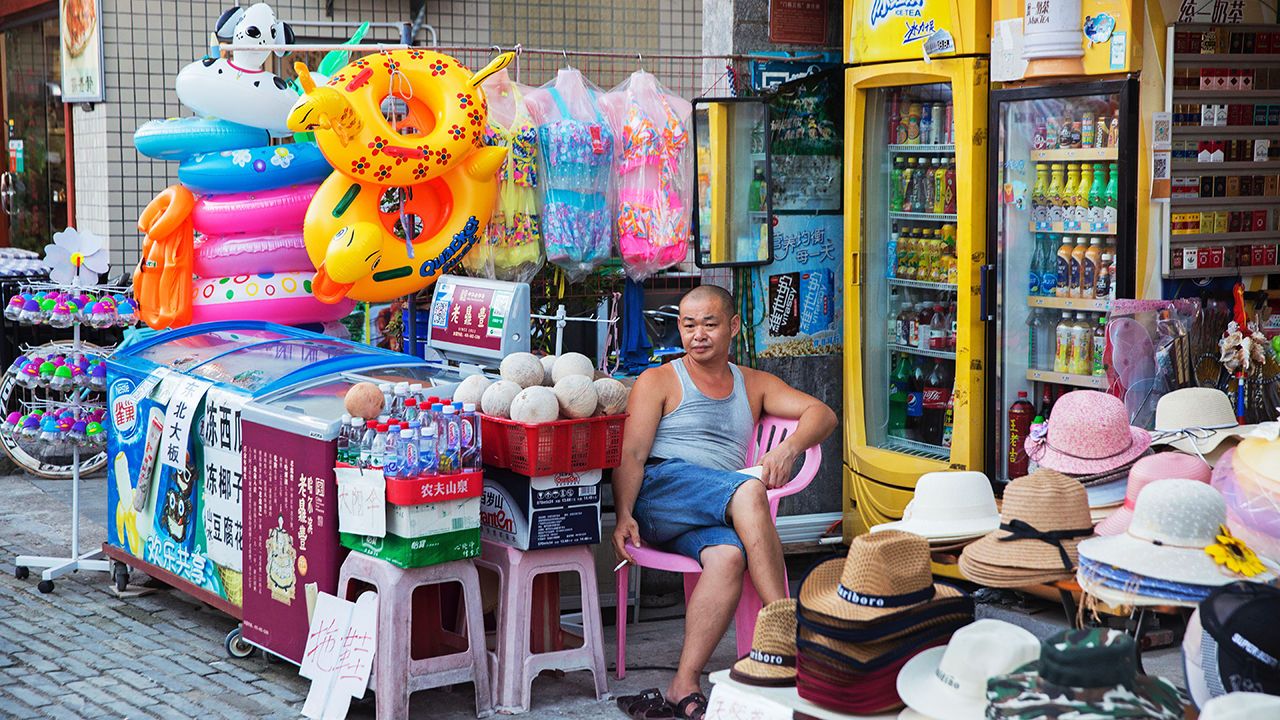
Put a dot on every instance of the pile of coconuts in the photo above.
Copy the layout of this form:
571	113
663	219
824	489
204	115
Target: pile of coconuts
536	390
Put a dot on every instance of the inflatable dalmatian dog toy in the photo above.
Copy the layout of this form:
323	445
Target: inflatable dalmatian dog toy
238	89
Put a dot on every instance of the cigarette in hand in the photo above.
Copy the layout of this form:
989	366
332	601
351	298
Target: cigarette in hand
620	565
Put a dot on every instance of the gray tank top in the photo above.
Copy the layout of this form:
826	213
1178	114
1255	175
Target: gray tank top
705	431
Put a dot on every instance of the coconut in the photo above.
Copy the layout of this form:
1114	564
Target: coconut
496	400
364	400
548	361
572	364
535	405
613	396
471	389
522	368
577	396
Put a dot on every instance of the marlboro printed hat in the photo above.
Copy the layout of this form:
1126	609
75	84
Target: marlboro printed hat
772	660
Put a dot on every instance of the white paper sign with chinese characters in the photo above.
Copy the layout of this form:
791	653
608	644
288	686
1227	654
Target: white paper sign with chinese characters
339	654
178	416
222	466
362	501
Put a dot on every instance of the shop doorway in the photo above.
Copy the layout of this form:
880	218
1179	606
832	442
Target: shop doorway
33	185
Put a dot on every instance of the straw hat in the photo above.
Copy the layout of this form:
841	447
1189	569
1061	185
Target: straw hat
772	660
949	506
1160	466
951	683
1248	500
1196	420
885	573
860	657
1120	588
1176	526
1088	433
1259	460
1044	517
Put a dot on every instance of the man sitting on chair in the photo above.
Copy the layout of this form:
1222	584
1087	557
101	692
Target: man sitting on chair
678	486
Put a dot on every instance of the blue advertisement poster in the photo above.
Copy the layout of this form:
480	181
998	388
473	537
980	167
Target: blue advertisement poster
798	299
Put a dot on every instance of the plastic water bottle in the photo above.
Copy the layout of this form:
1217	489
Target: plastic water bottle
362	451
390	440
410	409
406	455
449	441
415	392
398	398
376	444
427	464
388	396
470	421
344	439
415	427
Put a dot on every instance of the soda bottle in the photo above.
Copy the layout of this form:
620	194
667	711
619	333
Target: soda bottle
1097	194
1069	192
948	420
938	328
950	188
1055	194
937	391
1113	188
1062	352
1040	195
924	326
1037	263
449	441
1049	270
895	184
1100	347
1063	287
1021	413
1082	193
899	388
1046	402
939	187
915	401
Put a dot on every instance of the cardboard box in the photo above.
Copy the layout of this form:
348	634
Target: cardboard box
1202	257
1259	220
1189	258
1271	254
542	512
1258	255
1216	257
417	552
1220	221
437	518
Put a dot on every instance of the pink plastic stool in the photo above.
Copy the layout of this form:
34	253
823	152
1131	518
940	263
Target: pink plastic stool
769	432
395	673
517	665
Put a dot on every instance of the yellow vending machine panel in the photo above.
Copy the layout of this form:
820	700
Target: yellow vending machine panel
893	30
915	178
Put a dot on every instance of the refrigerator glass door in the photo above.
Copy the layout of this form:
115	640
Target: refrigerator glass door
910	269
1056	220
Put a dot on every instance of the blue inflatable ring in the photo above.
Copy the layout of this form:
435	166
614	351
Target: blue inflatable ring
254	169
180	138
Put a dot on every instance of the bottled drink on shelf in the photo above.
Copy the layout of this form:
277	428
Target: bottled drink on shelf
1113	135
1063	288
939	186
948	233
1037	264
924	326
950	188
899	389
1111	200
469	422
1101	137
756	191
953	327
951	123
1081	346
939	328
1069	191
1045	341
1055	194
427	451
1062	347
1091	269
937	391
1040	194
449	441
949	419
1082	193
1051	129
1100	347
915	400
908	182
906	247
891	255
1076	132
1077	267
1102	286
893	124
895	184
924	199
1064	133
1049	268
926	124
1097	194
913	123
1021	413
937	129
1087	130
1046	401
903	121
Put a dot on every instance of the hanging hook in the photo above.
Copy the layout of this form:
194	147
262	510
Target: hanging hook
565	53
518	51
639	61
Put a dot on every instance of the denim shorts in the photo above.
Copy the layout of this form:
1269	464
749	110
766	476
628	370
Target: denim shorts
682	507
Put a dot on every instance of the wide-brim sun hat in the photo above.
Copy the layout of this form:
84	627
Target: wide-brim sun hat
949	506
1122	589
1088	433
883	574
1160	466
1044	517
1257	463
1250	504
1196	420
1106	495
950	683
772	660
1082	674
1175	529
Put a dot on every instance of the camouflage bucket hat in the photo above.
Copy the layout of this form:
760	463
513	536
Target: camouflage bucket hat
1083	675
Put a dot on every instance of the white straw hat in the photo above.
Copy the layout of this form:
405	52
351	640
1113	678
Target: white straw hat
950	683
1196	420
949	506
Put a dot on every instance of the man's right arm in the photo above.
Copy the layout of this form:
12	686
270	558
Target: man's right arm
644	410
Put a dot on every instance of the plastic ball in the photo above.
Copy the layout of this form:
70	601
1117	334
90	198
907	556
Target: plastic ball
31	314
77	432
61	379
14	308
94	433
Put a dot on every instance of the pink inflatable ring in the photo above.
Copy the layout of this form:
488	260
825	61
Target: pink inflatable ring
231	255
253	213
283	298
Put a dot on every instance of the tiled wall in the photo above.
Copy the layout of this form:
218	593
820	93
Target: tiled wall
146	43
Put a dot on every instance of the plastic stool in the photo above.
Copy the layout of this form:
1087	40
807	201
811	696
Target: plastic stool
517	664
395	673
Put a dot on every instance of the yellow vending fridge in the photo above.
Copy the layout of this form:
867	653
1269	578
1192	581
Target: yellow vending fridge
915	178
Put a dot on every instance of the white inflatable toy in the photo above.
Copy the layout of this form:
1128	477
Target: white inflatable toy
238	89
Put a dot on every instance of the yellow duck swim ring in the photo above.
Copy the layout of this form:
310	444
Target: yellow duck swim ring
353	228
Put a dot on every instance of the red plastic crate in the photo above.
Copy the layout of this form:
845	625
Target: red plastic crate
435	488
553	447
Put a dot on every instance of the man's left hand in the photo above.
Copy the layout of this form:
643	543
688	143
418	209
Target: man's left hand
776	466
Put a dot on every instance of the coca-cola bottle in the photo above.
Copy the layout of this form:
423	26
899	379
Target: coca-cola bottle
1021	414
937	391
915	401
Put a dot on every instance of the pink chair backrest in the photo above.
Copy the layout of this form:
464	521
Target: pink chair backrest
771	431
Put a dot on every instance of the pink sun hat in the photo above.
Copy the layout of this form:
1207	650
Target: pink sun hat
1087	433
1160	466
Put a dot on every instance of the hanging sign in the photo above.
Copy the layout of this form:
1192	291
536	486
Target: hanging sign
178	416
362	501
798	22
80	28
223	498
339	654
802	289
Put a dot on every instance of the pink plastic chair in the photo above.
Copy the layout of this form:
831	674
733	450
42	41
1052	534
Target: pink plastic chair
770	431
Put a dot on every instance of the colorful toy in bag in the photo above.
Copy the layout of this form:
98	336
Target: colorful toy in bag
410	195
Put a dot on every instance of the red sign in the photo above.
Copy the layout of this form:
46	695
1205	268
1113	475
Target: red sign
798	22
466	318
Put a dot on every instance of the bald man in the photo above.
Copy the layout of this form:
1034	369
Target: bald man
678	485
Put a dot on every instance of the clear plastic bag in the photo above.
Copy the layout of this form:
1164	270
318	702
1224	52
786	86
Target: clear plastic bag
654	160
576	148
511	248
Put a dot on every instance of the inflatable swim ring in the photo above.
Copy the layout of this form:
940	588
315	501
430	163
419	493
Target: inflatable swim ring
180	138
259	213
219	255
283	298
253	169
162	282
217	87
351	232
445	119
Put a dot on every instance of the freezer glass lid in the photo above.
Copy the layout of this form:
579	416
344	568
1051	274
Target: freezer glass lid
255	367
325	398
186	352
